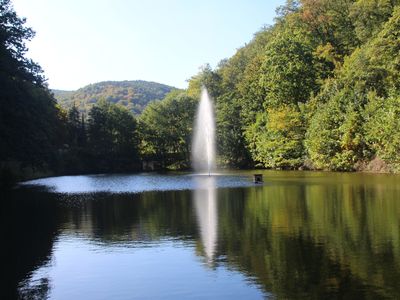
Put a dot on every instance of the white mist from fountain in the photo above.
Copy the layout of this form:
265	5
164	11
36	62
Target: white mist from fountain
203	147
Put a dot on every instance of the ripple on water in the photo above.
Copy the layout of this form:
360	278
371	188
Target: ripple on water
135	183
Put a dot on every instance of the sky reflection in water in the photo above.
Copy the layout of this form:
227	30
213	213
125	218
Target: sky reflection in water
137	183
298	236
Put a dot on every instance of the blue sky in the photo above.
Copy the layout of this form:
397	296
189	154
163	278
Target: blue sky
79	42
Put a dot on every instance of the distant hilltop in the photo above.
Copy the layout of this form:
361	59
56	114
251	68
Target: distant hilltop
134	95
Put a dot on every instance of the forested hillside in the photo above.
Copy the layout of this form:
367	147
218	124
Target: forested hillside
319	89
38	137
134	95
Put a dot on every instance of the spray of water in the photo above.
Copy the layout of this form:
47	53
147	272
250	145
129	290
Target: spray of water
203	148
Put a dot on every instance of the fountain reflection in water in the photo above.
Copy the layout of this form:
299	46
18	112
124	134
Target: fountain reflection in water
207	214
203	147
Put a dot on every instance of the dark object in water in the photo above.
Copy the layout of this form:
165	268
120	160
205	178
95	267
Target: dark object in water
258	178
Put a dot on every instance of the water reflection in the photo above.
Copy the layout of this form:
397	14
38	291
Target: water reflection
28	231
132	183
298	236
207	213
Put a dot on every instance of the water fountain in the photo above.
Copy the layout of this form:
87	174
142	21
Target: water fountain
203	147
203	161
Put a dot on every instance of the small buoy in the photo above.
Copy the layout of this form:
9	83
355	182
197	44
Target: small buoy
257	178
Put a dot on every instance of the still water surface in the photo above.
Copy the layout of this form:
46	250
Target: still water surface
300	235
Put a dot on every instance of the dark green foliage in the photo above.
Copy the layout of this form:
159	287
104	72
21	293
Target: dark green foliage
230	138
334	137
36	135
107	142
300	92
75	141
30	122
328	23
275	139
370	15
238	100
327	58
320	88
112	139
13	34
382	128
208	78
252	91
134	95
76	128
288	73
166	129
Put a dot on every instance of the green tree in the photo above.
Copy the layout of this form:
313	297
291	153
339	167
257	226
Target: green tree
370	15
252	91
13	34
76	128
276	138
329	23
334	136
288	73
382	128
205	77
230	137
112	138
30	121
166	129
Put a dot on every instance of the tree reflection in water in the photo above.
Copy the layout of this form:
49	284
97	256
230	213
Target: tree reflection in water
295	238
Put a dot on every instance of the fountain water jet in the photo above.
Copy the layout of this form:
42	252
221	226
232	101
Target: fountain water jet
203	148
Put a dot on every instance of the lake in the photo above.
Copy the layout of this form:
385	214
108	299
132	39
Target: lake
299	235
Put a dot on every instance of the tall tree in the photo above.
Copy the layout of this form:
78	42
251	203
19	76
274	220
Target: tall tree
30	121
288	72
370	15
276	138
13	35
112	138
166	129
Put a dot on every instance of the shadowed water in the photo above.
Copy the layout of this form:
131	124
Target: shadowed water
301	235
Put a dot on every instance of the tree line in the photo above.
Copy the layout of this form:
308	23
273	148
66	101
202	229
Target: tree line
38	137
319	89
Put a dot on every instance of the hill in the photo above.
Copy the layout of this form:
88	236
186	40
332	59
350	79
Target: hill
134	95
